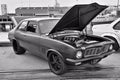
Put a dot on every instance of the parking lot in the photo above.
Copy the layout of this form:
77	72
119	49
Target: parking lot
29	66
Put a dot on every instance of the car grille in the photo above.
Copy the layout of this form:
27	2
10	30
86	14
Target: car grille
96	51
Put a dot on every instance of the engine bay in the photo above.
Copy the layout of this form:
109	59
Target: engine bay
76	38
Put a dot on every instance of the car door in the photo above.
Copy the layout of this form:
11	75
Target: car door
27	35
32	37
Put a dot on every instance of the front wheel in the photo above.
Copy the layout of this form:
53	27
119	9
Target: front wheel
94	61
56	63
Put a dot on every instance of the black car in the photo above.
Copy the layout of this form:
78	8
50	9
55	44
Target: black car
62	41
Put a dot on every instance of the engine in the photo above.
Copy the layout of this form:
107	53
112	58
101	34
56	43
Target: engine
73	38
70	37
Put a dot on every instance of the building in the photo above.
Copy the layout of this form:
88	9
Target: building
4	9
41	11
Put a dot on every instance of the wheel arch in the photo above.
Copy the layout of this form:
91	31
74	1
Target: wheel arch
14	41
112	36
53	50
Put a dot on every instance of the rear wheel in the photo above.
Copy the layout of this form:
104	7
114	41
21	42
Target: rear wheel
56	63
17	48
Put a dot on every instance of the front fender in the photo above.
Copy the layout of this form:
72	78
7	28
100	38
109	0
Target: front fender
53	50
64	49
112	35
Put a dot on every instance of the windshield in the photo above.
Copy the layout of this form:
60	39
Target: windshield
47	25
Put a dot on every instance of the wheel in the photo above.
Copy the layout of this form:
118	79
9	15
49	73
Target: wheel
17	48
56	64
94	61
115	45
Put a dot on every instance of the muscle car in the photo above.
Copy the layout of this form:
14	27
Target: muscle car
62	42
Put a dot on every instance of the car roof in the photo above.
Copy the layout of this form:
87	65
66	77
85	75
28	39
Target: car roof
41	18
17	19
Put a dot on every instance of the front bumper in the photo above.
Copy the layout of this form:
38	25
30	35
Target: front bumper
89	58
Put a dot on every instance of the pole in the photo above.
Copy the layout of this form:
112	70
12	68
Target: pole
118	4
117	8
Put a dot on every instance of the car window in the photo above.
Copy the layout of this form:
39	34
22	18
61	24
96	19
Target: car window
32	26
47	25
20	18
23	25
117	26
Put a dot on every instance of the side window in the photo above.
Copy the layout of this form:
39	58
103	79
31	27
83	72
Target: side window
117	26
23	25
32	26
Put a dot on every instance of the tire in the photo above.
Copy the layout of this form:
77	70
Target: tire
56	64
115	45
94	61
17	48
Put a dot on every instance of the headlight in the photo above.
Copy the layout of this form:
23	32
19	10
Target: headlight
111	47
78	54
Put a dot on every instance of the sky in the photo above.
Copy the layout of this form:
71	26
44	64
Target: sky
13	4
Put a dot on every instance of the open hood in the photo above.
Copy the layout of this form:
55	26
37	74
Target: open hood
78	17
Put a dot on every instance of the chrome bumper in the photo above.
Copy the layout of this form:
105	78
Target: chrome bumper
89	58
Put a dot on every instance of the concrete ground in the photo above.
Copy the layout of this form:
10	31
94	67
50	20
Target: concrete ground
31	67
